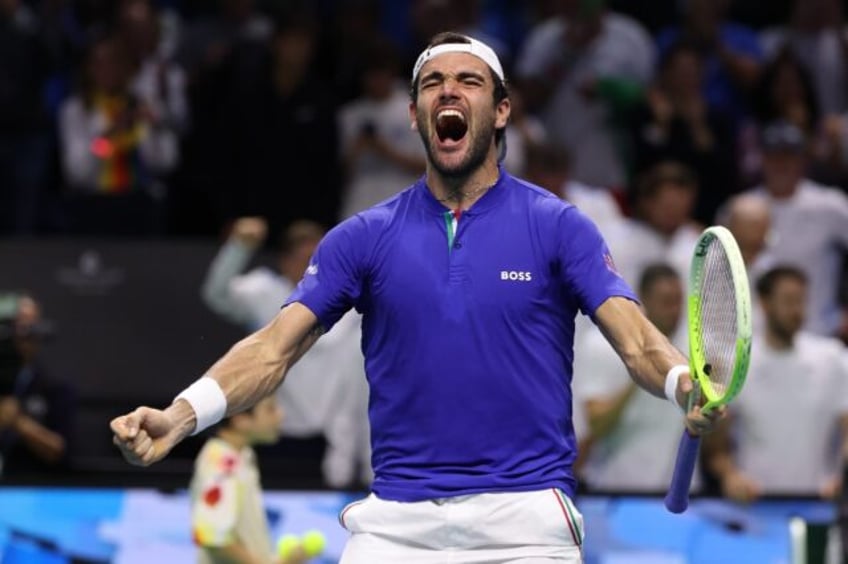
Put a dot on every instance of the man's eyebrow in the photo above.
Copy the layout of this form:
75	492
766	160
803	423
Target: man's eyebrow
438	75
431	75
471	74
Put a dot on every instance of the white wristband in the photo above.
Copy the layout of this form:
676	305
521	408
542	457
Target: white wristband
671	380
208	401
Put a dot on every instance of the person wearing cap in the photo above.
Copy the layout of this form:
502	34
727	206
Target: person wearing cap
469	282
808	224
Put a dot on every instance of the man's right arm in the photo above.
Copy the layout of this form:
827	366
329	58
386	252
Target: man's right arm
253	368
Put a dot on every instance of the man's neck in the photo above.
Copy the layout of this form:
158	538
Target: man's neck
462	193
779	342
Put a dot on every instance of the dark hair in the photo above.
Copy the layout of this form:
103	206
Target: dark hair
680	47
499	93
300	232
663	173
653	273
767	282
97	38
764	102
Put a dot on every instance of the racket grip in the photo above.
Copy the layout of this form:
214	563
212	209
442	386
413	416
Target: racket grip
677	498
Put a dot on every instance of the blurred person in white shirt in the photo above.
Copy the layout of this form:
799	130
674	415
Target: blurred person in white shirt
780	436
158	80
326	393
380	152
632	438
809	223
748	218
569	68
549	166
662	228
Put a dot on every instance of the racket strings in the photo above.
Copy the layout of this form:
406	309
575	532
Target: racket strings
718	318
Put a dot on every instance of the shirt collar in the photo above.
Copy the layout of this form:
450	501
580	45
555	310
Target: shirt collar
487	201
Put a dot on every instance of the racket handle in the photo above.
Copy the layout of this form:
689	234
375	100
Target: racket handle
677	498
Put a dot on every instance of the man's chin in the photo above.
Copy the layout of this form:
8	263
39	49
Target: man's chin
452	164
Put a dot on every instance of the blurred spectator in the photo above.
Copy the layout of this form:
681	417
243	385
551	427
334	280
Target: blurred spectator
430	17
548	166
208	42
803	378
382	153
523	132
114	148
326	393
158	82
211	48
816	35
675	123
808	223
730	52
356	26
577	71
24	142
748	218
278	134
628	427
785	92
37	440
227	513
662	228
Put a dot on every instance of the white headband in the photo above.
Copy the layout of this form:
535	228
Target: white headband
476	48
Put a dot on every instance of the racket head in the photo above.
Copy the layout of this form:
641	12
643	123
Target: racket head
719	309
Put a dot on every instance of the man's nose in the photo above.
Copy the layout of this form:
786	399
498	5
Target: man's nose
448	88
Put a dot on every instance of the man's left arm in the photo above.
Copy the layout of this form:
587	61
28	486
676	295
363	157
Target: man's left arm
649	356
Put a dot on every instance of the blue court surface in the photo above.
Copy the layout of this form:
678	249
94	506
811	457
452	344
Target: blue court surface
47	526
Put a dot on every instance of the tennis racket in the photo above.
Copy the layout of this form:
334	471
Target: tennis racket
719	308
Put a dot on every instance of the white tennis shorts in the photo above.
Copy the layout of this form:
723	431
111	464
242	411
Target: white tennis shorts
492	528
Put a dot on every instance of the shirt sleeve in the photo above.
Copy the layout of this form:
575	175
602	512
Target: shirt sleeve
586	265
332	283
215	502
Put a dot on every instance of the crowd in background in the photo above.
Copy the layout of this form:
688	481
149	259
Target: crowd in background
171	118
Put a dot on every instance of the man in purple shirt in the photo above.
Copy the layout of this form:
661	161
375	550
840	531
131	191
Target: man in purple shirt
469	282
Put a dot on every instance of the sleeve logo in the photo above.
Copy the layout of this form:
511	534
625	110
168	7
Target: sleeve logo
610	264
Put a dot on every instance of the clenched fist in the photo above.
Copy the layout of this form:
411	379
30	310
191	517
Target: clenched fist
147	435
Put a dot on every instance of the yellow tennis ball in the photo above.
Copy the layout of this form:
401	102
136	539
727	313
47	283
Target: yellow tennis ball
314	542
286	545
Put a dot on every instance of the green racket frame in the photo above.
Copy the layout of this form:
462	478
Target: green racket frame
697	360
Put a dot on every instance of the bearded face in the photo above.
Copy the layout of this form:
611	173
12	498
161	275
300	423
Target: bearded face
455	113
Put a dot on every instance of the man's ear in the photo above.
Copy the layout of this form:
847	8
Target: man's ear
413	122
502	112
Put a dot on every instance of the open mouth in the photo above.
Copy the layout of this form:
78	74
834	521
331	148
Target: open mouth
451	124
